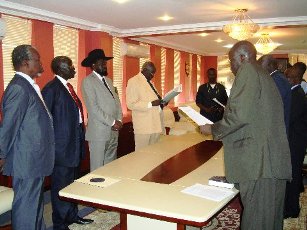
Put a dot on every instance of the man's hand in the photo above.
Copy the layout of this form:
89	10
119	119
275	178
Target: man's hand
164	103
2	161
205	129
156	102
117	125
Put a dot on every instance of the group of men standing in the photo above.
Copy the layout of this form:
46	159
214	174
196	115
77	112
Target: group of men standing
42	133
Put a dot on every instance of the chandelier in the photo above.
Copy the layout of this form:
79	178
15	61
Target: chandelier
265	44
242	26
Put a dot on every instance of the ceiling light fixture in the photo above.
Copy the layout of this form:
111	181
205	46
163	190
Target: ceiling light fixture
242	26
203	34
165	18
218	40
265	44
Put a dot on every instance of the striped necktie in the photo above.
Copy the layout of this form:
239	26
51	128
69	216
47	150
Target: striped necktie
76	99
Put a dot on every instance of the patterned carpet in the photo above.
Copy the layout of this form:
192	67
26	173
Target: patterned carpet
228	219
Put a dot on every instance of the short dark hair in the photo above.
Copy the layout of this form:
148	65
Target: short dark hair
301	68
56	62
21	53
211	69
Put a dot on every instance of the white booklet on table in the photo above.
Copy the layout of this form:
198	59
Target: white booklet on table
208	192
195	116
173	93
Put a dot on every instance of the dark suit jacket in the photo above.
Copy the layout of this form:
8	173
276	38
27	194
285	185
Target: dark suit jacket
27	137
285	91
205	95
253	129
298	118
69	141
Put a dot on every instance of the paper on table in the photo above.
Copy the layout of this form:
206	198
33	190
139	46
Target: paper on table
107	180
217	101
173	93
208	192
195	116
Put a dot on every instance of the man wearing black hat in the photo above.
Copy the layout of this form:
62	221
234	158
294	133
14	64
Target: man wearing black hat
104	110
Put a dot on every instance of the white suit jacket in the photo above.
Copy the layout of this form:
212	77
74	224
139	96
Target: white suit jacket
138	95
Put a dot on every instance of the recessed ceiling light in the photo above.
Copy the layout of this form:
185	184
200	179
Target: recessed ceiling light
203	34
228	46
165	17
120	1
219	40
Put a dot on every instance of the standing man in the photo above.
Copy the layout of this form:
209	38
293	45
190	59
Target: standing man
145	103
301	69
26	140
66	110
104	110
205	95
256	150
270	64
297	141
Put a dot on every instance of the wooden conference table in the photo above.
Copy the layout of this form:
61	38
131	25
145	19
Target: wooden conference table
145	186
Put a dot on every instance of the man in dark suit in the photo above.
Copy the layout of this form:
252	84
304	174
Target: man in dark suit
205	95
270	64
297	141
256	150
26	140
66	110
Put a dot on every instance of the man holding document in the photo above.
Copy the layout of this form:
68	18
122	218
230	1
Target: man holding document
256	150
211	97
146	105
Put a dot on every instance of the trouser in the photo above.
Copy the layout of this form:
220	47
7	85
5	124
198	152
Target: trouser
103	152
263	204
28	204
142	140
63	212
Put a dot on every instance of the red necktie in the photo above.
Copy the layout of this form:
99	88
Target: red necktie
76	99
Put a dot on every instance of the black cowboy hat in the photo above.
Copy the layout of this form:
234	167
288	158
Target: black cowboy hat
93	56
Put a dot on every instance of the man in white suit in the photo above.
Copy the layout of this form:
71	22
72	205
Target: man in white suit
146	106
104	110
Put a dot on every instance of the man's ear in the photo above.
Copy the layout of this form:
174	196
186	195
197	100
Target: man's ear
242	57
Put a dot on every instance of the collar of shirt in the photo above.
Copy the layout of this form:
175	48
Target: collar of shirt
212	85
63	81
98	75
27	77
293	87
274	71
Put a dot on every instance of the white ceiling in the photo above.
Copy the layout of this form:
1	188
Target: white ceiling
286	21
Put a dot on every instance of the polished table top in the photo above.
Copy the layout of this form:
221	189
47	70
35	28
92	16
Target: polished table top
125	188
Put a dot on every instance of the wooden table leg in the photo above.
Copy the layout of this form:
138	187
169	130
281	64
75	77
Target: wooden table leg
123	221
180	227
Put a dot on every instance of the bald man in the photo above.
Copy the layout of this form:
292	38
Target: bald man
270	64
145	103
256	150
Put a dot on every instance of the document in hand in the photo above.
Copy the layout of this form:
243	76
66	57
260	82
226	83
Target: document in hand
173	93
195	116
218	102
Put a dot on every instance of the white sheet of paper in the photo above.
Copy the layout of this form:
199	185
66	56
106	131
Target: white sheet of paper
217	101
208	192
195	116
173	93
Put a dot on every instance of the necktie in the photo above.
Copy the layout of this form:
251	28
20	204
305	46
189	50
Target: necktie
106	85
76	99
155	91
